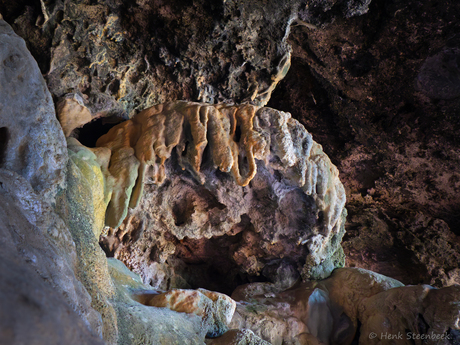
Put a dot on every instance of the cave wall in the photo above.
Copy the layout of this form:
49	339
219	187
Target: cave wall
381	92
376	82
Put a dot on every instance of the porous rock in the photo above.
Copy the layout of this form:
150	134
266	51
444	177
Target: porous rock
72	113
378	91
143	324
237	337
124	56
82	206
31	140
283	192
316	312
112	287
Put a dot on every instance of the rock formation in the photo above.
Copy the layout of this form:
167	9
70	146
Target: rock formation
182	151
375	82
352	303
31	140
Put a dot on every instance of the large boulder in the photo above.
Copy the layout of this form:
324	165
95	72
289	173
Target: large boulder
31	140
41	299
351	305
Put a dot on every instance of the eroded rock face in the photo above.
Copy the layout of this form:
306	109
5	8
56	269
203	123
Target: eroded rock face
413	314
123	56
31	140
350	306
282	203
373	91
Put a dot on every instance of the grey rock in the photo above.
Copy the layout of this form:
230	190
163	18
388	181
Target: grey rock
238	337
31	139
41	300
143	324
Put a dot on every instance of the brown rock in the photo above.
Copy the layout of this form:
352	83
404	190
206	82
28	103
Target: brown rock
417	314
316	312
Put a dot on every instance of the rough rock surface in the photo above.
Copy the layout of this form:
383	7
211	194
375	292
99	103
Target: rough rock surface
41	299
31	140
416	314
215	309
238	337
144	324
283	199
350	306
82	206
123	55
374	91
370	84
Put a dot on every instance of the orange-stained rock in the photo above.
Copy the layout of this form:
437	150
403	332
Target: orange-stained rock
149	138
215	309
72	113
214	170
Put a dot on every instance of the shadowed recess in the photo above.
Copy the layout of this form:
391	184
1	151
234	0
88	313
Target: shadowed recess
3	144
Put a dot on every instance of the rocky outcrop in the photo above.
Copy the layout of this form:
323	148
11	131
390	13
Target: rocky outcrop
283	192
412	314
122	57
174	317
352	305
238	337
215	309
31	140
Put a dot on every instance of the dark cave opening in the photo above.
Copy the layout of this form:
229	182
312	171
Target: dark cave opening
4	136
209	264
92	131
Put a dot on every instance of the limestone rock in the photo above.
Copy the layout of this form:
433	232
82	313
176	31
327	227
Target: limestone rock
139	323
237	337
439	77
82	206
417	314
31	140
349	287
72	113
215	309
389	122
283	197
124	57
316	312
42	301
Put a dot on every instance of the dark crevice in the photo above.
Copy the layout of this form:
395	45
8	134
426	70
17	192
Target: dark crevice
4	136
92	131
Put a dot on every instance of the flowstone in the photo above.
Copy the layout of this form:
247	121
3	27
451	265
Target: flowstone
282	205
